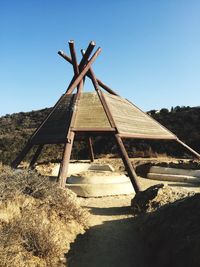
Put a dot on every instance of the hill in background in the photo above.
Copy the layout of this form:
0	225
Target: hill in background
15	129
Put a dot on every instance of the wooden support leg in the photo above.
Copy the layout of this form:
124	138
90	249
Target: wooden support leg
90	148
65	161
189	148
36	155
21	155
128	166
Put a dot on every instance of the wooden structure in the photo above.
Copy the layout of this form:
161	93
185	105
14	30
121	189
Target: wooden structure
87	114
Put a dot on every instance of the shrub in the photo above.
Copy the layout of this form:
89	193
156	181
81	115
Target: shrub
38	220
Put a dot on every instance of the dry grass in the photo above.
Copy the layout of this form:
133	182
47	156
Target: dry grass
38	220
157	196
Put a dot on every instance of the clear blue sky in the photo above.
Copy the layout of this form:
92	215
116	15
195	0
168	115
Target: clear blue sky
151	50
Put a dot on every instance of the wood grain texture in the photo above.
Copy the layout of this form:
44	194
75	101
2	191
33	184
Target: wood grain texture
55	128
131	120
90	113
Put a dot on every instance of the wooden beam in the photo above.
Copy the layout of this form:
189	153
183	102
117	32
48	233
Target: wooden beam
90	148
128	166
94	130
36	155
83	72
73	56
71	134
87	54
79	68
144	137
100	83
21	155
124	155
47	117
74	63
105	87
189	148
65	160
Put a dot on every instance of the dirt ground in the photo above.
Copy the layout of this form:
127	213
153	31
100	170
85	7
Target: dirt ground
113	239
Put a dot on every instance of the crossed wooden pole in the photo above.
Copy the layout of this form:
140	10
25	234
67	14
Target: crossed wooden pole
96	82
81	70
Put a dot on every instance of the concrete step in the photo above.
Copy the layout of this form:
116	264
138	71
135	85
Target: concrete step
174	171
98	178
100	190
173	177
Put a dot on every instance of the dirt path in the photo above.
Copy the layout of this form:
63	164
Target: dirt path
111	240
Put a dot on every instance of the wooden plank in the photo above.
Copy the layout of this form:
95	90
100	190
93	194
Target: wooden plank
56	126
144	136
130	120
90	113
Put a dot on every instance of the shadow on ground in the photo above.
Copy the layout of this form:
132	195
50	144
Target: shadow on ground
114	243
112	211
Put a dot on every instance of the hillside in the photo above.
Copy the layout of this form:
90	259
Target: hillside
15	129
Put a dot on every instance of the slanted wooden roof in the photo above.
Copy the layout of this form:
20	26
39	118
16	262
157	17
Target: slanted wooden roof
55	127
133	122
91	116
90	113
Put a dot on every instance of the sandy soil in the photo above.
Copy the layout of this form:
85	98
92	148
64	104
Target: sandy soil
112	239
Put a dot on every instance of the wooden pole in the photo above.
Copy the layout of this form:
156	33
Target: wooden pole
74	61
36	155
83	72
65	161
70	135
86	55
21	155
100	83
128	166
90	149
189	148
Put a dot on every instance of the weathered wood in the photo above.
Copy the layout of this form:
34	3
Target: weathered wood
74	63
101	130
145	136
90	74
90	113
189	148
47	117
103	85
128	166
131	120
65	160
21	155
62	177
78	69
86	55
90	149
36	155
55	127
83	72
